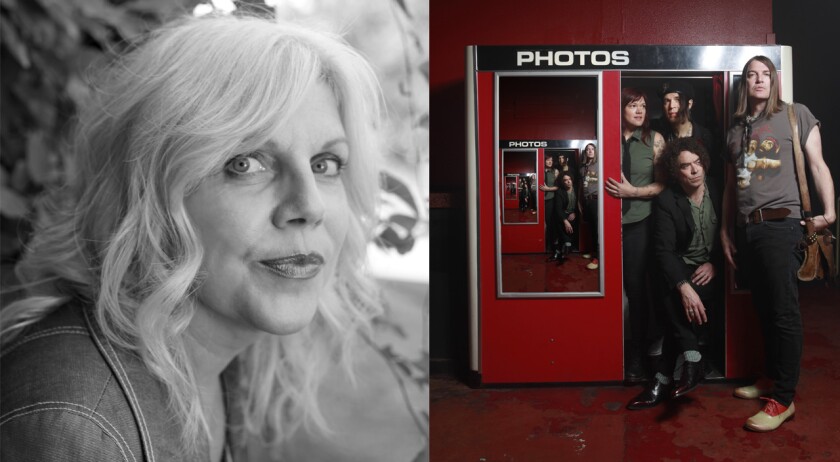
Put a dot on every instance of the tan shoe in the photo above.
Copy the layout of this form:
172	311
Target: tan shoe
754	391
769	418
593	265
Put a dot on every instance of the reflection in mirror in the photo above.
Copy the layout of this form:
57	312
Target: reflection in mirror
520	168
511	188
558	115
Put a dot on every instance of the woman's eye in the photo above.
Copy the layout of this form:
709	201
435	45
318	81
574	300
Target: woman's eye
327	166
243	165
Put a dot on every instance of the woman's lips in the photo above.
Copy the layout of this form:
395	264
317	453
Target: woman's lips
298	266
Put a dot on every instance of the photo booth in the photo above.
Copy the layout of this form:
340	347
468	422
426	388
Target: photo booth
533	322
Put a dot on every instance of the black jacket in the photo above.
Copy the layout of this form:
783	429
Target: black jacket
674	228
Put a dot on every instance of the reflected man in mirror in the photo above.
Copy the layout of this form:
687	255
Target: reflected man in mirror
687	252
549	187
565	204
589	201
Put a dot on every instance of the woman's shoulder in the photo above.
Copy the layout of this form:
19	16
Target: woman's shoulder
58	393
59	345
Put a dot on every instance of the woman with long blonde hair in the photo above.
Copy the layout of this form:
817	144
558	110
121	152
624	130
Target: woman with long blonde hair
204	267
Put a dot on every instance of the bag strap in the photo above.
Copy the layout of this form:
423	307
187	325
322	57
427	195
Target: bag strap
800	170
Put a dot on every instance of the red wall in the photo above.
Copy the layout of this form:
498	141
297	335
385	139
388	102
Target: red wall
548	108
520	162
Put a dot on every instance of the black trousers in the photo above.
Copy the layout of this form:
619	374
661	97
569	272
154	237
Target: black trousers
590	213
768	255
686	335
550	224
637	256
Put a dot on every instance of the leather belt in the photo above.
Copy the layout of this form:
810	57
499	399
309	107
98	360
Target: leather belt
759	215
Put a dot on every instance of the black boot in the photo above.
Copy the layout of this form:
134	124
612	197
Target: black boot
634	371
654	393
692	374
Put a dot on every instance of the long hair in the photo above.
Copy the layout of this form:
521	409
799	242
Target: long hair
118	237
586	160
630	95
774	104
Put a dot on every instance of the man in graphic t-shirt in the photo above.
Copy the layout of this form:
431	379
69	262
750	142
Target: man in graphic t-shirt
762	226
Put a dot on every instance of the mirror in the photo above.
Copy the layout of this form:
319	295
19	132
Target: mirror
544	125
511	188
520	175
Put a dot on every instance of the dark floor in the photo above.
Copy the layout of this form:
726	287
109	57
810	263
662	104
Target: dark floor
590	423
531	272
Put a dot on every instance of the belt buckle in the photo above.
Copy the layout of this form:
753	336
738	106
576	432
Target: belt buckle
760	215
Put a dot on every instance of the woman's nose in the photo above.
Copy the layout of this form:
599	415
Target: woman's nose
300	201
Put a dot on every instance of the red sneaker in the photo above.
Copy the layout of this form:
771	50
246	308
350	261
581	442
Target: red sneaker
771	417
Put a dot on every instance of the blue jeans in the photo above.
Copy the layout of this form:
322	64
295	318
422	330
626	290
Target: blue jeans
768	252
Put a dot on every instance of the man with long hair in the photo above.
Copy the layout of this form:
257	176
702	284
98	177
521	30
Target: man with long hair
762	226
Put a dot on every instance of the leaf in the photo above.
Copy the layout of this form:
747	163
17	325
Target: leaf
404	7
13	43
13	205
61	12
162	10
103	12
20	177
423	121
395	186
77	91
423	455
424	69
39	159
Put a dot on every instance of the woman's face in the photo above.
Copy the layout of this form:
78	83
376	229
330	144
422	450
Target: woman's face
590	151
634	113
272	224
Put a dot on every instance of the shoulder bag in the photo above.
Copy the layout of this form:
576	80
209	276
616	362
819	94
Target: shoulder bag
818	248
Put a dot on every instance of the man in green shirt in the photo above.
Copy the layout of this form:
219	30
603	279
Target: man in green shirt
565	204
688	252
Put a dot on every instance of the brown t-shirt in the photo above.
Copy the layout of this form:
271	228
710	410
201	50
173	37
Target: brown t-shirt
766	173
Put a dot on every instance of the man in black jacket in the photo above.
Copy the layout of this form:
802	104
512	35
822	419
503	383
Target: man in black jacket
687	246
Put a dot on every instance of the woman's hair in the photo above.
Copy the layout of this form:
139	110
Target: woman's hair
167	115
670	162
774	104
630	95
585	158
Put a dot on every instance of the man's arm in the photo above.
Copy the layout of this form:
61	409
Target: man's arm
822	179
727	221
665	243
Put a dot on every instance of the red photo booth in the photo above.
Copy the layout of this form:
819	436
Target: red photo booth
533	322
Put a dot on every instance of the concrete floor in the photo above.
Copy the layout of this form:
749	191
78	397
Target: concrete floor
590	423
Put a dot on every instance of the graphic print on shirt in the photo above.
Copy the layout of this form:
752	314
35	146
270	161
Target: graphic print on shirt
761	159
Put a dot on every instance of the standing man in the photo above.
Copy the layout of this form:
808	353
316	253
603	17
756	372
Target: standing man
565	203
589	201
677	101
676	121
549	188
687	251
762	226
